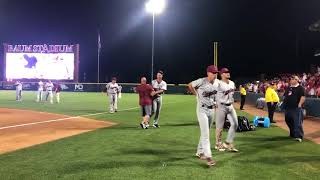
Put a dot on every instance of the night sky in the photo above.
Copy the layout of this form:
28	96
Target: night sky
255	36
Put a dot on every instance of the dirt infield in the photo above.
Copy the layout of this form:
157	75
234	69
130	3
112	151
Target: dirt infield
311	125
24	128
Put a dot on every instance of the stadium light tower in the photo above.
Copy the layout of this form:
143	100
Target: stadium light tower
154	7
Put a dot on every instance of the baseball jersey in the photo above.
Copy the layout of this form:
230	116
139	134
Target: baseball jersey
40	86
206	91
112	88
49	86
18	86
225	92
159	86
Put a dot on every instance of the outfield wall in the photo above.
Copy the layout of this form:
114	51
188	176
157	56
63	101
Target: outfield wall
312	105
91	87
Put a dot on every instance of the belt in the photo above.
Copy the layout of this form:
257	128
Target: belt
205	106
226	104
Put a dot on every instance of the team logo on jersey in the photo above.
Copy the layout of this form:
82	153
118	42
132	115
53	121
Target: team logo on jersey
208	94
229	91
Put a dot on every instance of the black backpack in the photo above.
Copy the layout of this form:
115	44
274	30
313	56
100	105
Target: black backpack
243	124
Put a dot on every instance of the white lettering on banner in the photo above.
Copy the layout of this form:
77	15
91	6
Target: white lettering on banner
43	48
78	87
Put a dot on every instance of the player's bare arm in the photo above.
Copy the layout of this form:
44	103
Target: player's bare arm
301	102
191	88
159	91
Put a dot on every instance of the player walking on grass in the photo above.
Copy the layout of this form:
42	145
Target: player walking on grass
225	109
49	88
40	91
113	89
205	89
18	85
145	92
57	90
160	86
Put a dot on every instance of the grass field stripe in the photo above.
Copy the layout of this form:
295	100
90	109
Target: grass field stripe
67	118
60	119
94	114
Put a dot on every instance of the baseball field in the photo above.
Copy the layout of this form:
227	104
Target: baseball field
79	139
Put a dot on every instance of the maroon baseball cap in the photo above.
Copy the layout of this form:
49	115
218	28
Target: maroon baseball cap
224	70
213	69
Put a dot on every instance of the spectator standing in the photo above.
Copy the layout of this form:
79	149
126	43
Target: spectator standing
293	102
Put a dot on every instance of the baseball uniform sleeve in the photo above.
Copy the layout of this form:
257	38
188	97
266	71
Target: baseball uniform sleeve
164	86
197	83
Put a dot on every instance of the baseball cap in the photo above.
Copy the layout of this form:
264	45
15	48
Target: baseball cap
213	69
114	79
224	70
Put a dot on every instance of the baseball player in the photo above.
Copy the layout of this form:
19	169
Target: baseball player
57	90
145	92
18	85
205	89
225	109
112	89
160	86
49	88
40	91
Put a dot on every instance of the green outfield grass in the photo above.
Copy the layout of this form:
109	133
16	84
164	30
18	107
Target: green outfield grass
125	151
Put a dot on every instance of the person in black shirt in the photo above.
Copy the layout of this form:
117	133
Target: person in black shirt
293	102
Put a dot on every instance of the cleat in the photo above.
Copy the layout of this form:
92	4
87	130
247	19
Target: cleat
219	147
211	163
200	156
230	147
156	126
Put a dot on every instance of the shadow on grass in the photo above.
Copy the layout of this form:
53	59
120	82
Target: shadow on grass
181	125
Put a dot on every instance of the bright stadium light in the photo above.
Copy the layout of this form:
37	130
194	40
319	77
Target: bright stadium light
154	7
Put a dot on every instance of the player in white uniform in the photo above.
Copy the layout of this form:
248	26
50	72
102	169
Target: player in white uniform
160	86
112	89
225	109
18	85
205	89
40	91
49	88
57	90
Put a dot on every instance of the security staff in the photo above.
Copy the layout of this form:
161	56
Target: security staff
272	99
293	102
243	93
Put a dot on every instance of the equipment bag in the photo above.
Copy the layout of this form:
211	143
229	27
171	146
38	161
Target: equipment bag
243	124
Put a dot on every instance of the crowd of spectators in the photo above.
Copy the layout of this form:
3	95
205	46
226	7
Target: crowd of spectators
311	83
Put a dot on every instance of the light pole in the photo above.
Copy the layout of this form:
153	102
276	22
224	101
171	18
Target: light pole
154	7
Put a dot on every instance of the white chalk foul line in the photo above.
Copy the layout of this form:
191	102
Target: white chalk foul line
67	118
60	119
